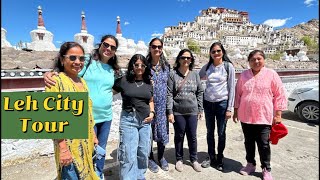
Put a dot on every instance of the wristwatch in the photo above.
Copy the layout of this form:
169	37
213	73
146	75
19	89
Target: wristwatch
154	113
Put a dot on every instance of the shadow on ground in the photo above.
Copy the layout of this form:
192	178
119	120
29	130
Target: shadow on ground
111	170
294	117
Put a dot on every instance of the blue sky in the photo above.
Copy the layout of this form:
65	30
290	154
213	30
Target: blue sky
140	19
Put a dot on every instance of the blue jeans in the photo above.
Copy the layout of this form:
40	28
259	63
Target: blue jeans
69	173
134	146
216	112
102	131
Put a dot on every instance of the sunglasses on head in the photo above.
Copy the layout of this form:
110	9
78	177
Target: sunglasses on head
140	66
218	51
155	47
74	57
107	45
185	58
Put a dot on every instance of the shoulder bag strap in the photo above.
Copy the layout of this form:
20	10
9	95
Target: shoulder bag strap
182	83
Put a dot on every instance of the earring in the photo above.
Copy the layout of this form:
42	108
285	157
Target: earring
62	64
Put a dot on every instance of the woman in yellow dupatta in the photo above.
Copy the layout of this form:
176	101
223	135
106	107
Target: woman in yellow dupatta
73	156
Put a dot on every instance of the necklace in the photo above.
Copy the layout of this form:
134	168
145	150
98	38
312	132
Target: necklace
138	85
156	69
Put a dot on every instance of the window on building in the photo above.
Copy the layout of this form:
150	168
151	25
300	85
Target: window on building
40	35
84	39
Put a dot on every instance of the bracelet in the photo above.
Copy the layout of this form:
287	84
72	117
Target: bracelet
154	113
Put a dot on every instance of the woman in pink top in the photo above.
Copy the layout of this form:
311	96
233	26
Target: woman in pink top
259	100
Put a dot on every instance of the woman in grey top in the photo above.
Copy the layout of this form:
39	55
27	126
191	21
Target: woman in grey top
218	101
184	106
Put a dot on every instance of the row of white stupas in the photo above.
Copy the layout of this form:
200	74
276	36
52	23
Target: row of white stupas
236	53
42	39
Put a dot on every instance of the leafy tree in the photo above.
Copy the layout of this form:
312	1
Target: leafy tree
193	46
311	44
276	56
307	41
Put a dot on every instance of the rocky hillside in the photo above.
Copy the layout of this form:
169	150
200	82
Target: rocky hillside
310	28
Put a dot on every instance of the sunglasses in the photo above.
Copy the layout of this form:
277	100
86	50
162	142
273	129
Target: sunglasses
140	66
107	45
185	58
155	47
73	57
218	51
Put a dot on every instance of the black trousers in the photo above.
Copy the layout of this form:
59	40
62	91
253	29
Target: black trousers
185	124
161	147
257	133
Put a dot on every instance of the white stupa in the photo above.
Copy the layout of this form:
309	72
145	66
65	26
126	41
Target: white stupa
285	56
86	40
302	56
236	54
131	46
122	48
41	38
4	42
142	48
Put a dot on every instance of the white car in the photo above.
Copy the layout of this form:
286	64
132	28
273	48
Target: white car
304	101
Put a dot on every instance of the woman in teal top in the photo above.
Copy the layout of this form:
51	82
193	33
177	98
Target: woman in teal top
99	73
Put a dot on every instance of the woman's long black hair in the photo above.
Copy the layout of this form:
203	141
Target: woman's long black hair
163	61
177	63
224	57
130	75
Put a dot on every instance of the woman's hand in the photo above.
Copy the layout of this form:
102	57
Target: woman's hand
48	80
276	119
95	139
149	118
235	116
65	156
200	116
171	118
228	115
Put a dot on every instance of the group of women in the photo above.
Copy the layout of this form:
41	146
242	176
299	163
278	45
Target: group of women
155	95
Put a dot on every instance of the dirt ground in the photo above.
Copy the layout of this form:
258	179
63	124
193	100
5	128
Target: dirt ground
295	157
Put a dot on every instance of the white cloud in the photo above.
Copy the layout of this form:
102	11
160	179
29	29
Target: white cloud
309	2
156	35
183	0
126	23
59	42
276	22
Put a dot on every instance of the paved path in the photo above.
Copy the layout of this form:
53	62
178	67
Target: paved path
295	157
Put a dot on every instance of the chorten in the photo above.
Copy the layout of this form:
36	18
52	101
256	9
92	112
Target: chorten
84	38
142	48
123	44
4	42
41	38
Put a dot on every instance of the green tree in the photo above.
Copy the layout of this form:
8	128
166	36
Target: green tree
276	56
193	46
311	44
307	41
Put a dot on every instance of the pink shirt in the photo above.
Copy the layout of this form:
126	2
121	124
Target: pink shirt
258	97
